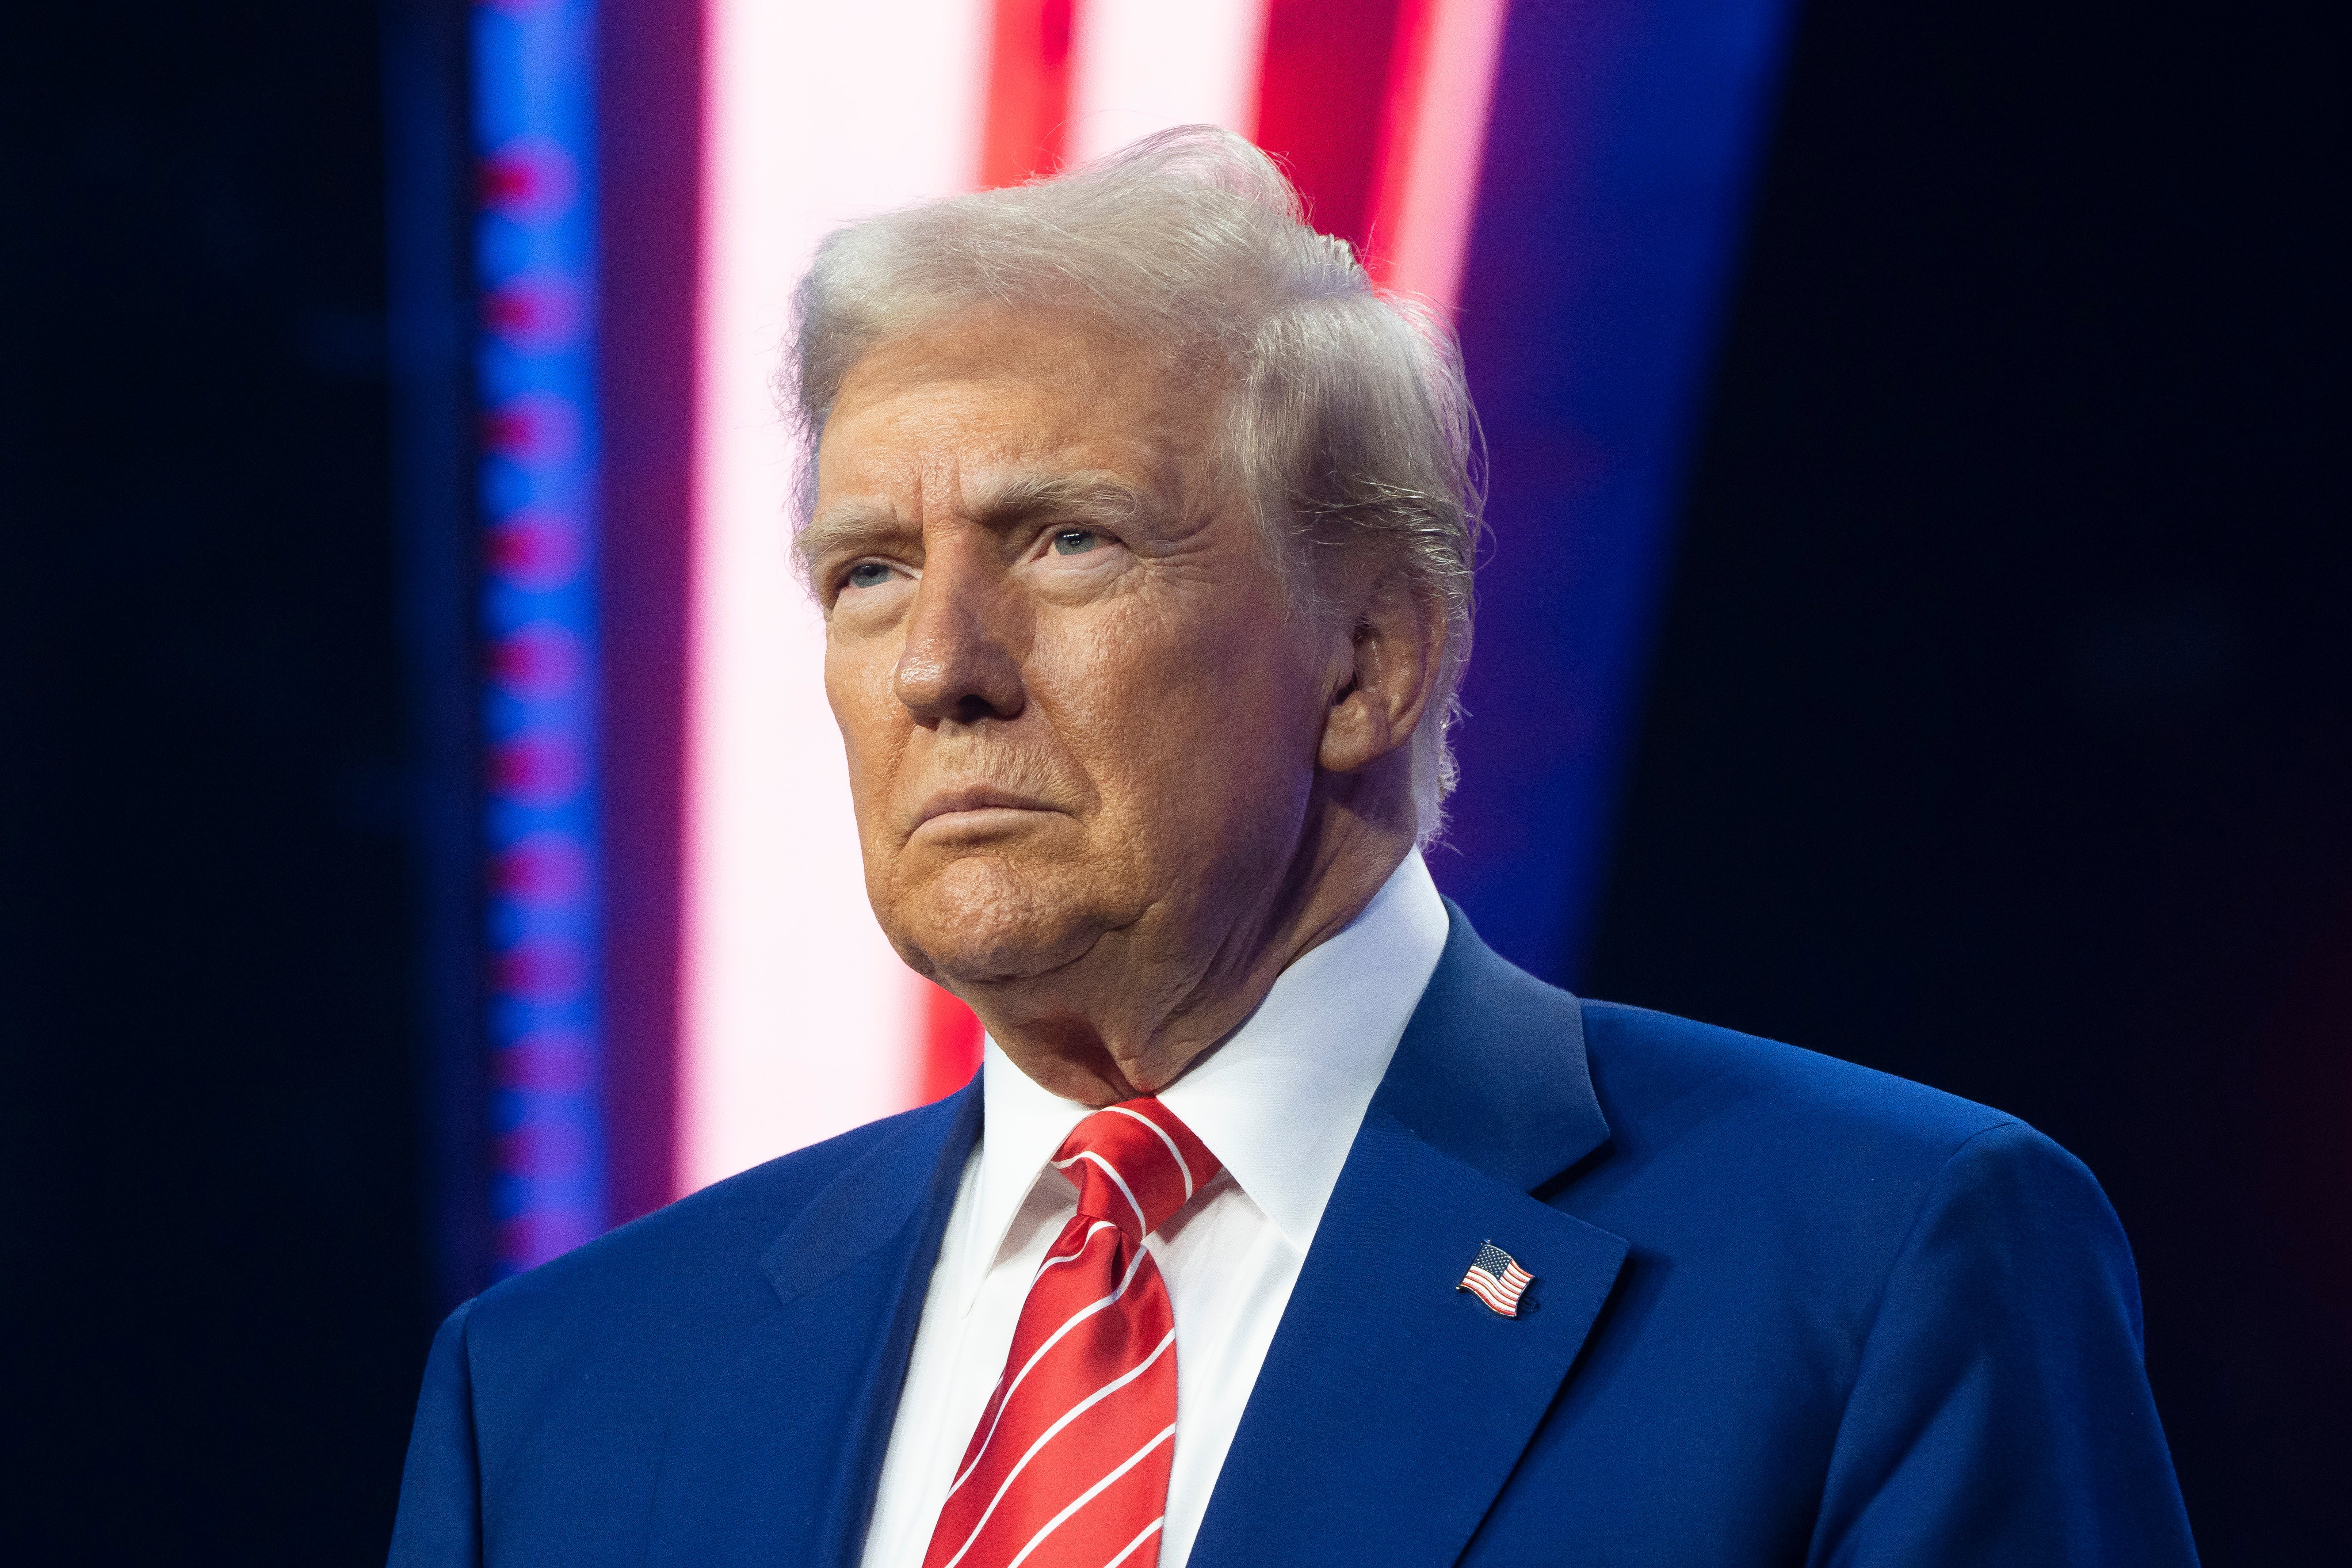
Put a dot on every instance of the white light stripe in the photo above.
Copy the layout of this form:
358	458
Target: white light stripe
1090	1495
1140	66
1178	1155
796	1020
1128	1550
1112	1170
1081	1316
1083	1406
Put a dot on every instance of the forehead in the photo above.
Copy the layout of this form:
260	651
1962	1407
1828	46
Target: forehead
994	388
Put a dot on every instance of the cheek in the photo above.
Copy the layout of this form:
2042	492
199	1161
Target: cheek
1185	716
873	731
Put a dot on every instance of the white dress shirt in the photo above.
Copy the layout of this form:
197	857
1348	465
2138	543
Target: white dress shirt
1278	1103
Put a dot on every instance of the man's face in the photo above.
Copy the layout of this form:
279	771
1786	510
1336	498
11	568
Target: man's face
1077	708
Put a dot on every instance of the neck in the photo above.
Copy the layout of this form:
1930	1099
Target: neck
1143	1006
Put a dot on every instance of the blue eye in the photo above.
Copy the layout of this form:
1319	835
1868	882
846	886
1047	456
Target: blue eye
868	574
1075	541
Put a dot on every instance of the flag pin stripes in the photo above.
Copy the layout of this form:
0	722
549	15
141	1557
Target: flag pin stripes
1497	1278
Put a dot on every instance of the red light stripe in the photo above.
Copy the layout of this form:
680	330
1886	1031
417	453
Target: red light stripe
1028	90
1378	109
1325	81
952	1044
1392	152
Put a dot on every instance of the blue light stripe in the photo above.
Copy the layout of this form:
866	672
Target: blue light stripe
535	266
1618	161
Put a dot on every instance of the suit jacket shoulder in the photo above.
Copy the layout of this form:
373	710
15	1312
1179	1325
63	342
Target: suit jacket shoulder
1723	1128
675	1275
555	1402
1927	1305
1646	1062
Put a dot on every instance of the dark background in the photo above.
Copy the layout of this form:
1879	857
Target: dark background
214	1264
1999	729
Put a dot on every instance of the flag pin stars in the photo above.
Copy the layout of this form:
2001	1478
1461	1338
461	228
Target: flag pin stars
1497	1278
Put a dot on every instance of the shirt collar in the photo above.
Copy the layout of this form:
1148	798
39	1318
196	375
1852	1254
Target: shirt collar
1279	1102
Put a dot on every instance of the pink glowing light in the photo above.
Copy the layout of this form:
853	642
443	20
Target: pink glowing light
1435	135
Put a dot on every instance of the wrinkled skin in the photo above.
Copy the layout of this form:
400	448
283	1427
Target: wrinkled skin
1109	780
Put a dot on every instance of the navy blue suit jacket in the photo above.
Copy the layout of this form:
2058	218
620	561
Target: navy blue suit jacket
1786	1311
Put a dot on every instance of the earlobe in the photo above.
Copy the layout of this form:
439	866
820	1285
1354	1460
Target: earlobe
1349	738
1393	648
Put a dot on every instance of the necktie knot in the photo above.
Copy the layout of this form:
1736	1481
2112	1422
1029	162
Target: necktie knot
1135	1165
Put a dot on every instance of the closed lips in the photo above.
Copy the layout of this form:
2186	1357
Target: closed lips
976	799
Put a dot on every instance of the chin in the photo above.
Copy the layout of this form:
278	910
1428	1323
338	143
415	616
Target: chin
979	919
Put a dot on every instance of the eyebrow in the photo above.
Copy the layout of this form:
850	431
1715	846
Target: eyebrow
999	500
1085	492
851	521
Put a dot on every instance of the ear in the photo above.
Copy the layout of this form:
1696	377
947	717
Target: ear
1387	679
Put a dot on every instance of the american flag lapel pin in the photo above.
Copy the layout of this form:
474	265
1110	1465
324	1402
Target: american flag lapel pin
1497	1278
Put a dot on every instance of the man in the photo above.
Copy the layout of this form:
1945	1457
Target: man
1284	1223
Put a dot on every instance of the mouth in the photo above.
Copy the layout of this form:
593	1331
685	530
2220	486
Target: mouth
975	808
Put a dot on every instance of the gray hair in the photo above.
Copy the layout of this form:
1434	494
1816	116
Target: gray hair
1345	423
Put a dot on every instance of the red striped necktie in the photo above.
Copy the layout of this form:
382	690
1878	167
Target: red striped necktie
1068	1467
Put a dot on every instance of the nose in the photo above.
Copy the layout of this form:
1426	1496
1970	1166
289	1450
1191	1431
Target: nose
960	665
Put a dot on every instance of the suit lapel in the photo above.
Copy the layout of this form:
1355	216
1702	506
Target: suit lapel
776	1439
1393	1407
1491	1068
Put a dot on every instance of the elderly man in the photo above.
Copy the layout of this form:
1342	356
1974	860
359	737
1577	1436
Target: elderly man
1285	1222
